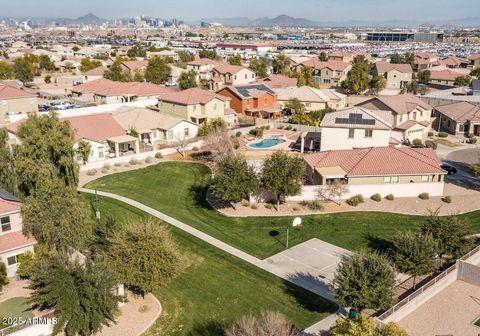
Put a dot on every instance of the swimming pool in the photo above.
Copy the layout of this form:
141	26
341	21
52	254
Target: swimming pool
267	143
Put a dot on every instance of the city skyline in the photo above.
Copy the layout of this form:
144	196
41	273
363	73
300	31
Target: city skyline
327	10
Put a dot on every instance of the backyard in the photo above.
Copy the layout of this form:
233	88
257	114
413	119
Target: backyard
16	307
178	189
217	288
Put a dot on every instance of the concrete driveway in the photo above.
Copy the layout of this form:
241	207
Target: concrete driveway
312	263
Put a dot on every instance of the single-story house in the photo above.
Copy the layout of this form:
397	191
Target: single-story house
313	99
16	101
278	81
458	118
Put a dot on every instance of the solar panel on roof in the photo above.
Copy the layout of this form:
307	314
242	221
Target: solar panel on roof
355	119
244	90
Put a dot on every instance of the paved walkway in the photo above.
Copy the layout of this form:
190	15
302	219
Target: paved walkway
312	286
15	288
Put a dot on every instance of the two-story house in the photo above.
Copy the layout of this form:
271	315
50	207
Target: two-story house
223	75
411	117
13	242
327	74
196	105
203	66
398	76
474	61
347	56
255	100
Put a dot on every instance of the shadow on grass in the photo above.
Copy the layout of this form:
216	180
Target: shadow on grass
274	234
210	328
307	299
379	244
198	195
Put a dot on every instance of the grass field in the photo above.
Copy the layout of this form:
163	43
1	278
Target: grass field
178	189
217	288
14	308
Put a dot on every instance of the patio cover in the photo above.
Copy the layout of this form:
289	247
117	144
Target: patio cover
331	172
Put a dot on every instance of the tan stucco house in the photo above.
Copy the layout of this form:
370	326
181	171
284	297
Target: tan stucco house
15	101
398	76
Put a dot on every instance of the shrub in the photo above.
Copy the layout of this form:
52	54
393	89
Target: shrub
417	142
280	127
245	203
472	140
295	208
431	144
355	200
257	132
238	134
133	162
376	197
470	135
424	196
91	172
314	205
288	128
104	170
443	134
475	169
158	155
195	149
430	134
447	199
254	206
268	206
267	127
149	159
117	164
107	166
390	197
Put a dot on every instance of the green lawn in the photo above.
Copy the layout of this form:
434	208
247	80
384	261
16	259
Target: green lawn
477	323
14	308
178	189
217	288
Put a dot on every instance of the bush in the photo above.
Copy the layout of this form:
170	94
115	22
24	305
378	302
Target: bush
355	200
245	203
133	162
280	127
158	155
104	171
117	164
254	206
149	159
315	205
470	135
430	144
195	149
447	199
390	197
91	172
268	206
48	79
475	169
417	142
376	197
26	261
267	127
442	134
430	134
288	128
424	196
257	132
107	166
295	208
238	134
473	140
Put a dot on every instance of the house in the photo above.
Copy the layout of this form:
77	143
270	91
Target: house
94	74
453	62
134	67
104	134
401	171
223	75
172	54
255	100
355	127
397	76
424	61
13	242
195	104
154	128
411	117
278	81
445	76
312	99
329	73
474	61
203	65
16	101
458	118
347	57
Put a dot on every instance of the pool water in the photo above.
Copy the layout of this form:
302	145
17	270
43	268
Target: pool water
267	143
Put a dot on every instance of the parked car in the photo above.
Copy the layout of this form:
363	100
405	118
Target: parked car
449	168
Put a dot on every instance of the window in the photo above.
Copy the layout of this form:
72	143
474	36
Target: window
235	77
425	178
246	76
368	133
266	100
394	179
414	115
351	133
100	152
248	102
5	221
194	108
186	131
387	179
13	260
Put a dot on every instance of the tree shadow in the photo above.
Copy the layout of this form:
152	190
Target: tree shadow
209	328
198	195
379	244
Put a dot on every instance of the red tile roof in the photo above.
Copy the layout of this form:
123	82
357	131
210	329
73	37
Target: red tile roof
461	111
401	104
191	96
205	61
106	87
474	57
444	75
135	65
93	86
379	161
383	67
279	81
230	69
14	240
332	65
9	92
8	206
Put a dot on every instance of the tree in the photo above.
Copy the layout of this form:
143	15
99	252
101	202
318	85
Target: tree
396	58
281	64
75	48
365	281
364	326
187	80
234	180
474	73
211	54
45	151
115	73
46	63
24	70
211	126
308	77
332	191
56	216
358	77
283	175
3	275
450	233
323	56
143	255
260	66
318	115
474	169
84	150
87	64
136	51
415	254
8	177
185	56
7	71
79	293
25	264
219	144
235	60
158	71
463	81
378	83
295	105
47	79
302	118
424	76
268	324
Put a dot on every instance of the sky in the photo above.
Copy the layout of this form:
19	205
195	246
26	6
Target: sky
189	10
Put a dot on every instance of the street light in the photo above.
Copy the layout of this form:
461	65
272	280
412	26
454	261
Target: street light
296	222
